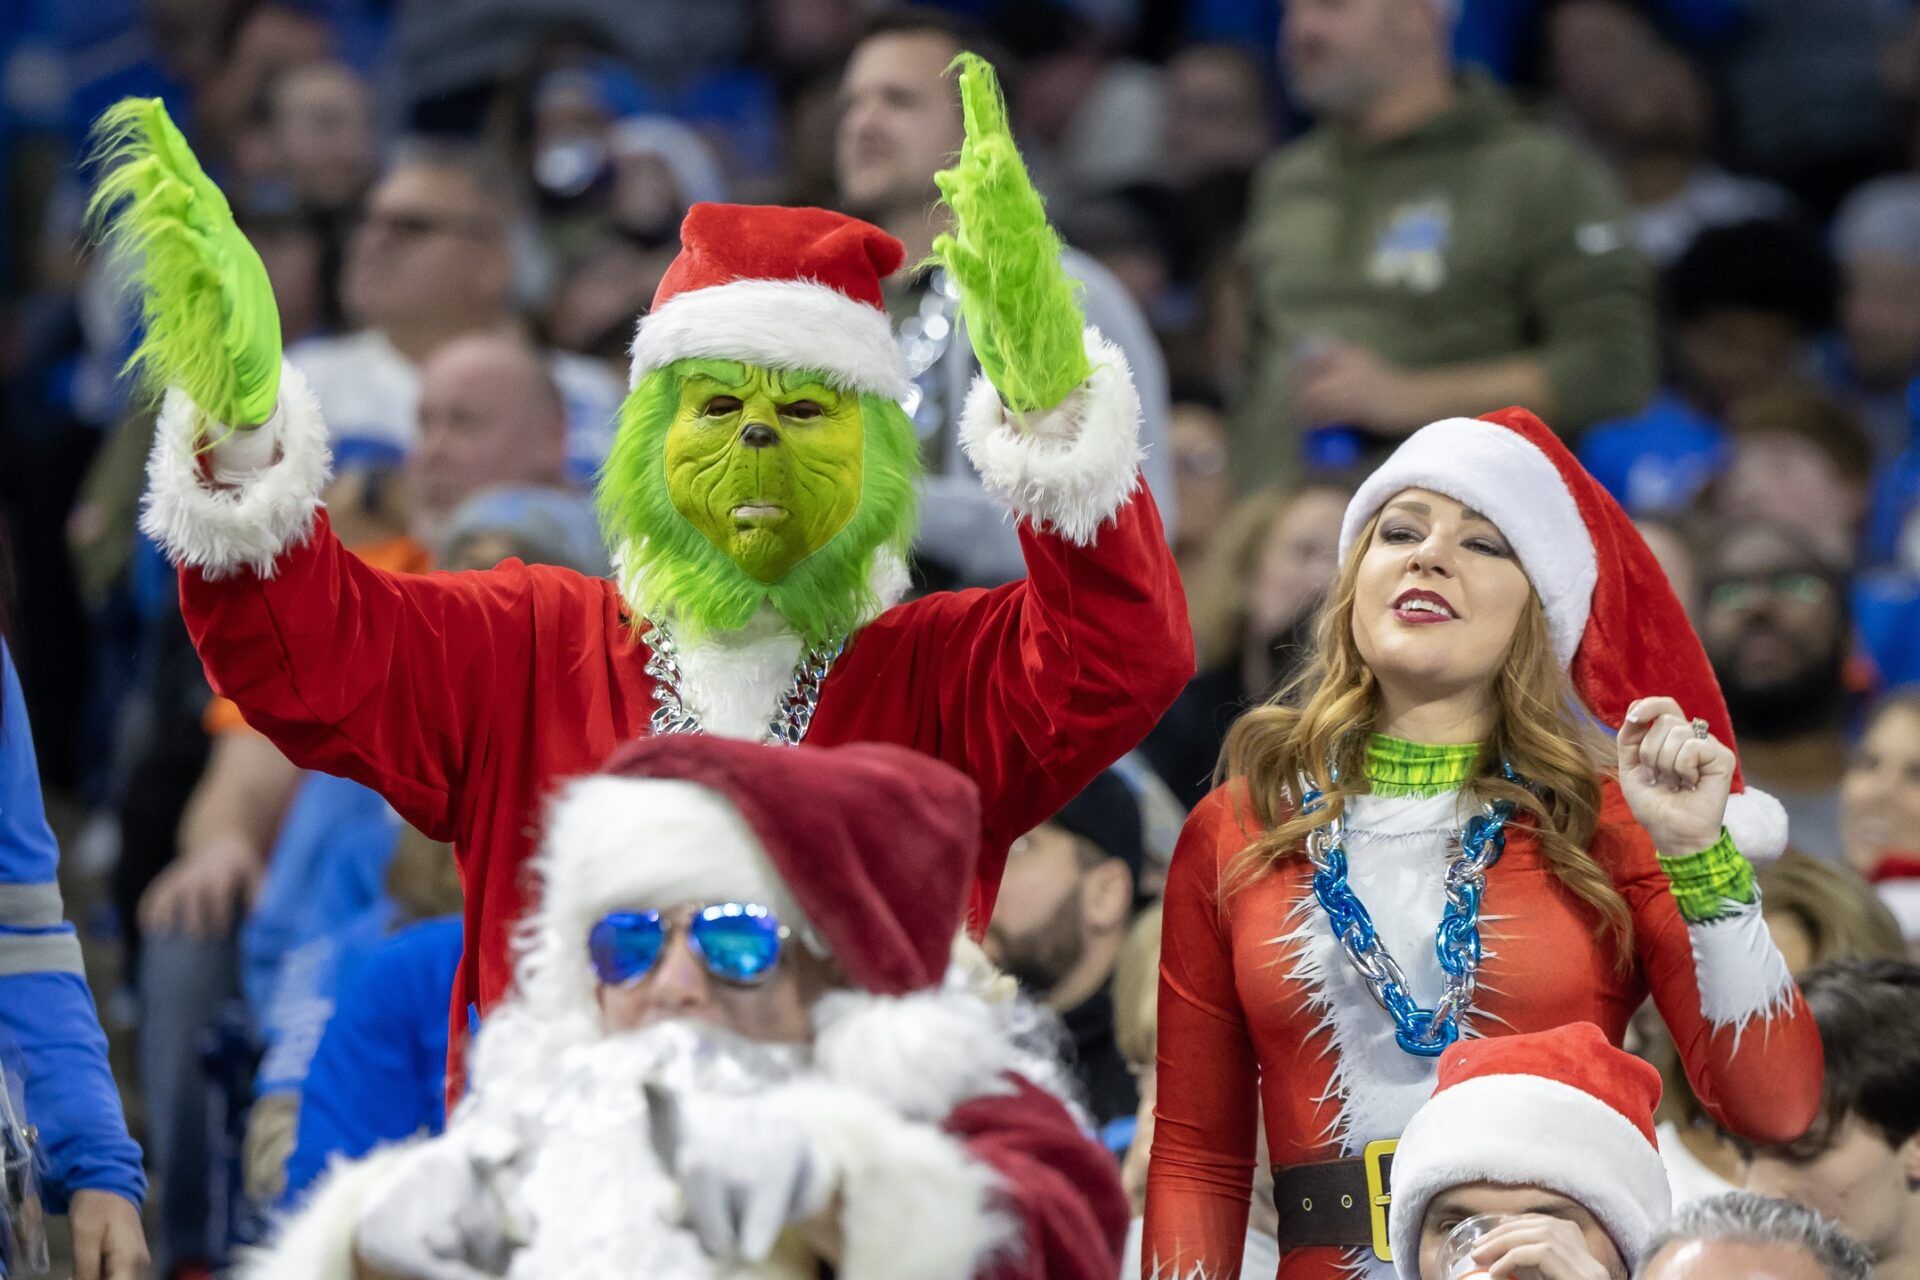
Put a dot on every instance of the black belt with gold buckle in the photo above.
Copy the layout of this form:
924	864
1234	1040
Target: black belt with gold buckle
1337	1203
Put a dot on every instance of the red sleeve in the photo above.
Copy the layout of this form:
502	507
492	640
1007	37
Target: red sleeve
1040	684
381	677
1748	1042
1062	1187
1200	1174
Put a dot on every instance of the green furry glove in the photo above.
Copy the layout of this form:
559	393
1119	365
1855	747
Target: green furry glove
1021	310
211	326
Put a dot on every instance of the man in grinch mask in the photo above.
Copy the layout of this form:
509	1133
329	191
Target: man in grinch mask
760	501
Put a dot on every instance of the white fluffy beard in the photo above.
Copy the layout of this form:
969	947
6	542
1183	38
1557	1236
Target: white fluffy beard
589	1197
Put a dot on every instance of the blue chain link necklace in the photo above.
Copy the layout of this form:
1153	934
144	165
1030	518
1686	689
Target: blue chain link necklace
1417	1030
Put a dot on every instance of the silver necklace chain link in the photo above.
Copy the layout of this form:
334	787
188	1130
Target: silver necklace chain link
793	711
1478	845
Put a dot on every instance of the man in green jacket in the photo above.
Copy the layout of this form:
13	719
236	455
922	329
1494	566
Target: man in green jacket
1425	252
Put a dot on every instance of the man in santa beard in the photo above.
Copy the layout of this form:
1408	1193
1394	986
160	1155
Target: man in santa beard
740	1045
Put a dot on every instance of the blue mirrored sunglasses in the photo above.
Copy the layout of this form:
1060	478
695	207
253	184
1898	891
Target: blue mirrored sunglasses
737	942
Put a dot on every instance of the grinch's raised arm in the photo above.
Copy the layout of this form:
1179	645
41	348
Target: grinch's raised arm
211	327
386	678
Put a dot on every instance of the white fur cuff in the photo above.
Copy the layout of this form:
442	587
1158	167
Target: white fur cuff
263	505
1739	970
317	1242
915	1204
1072	467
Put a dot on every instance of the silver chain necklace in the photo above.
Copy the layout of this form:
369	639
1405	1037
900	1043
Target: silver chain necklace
793	711
1420	1031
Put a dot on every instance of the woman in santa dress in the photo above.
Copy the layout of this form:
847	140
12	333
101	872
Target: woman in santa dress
1431	836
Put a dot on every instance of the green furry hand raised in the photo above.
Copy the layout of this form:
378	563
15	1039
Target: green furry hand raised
211	326
1022	314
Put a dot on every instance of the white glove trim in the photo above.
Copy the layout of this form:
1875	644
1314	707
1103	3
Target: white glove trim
1072	468
262	505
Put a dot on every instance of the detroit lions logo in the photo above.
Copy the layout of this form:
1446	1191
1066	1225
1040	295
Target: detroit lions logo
1411	251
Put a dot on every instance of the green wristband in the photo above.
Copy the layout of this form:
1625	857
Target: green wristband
1710	884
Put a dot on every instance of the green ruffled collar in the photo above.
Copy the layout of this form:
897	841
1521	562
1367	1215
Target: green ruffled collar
1396	767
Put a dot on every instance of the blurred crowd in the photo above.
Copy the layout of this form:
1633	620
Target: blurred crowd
1687	232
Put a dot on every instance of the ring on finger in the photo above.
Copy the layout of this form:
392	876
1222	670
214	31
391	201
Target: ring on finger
1701	729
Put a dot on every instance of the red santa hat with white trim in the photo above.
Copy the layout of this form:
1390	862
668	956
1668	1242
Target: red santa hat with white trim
1562	1110
866	851
787	288
1617	627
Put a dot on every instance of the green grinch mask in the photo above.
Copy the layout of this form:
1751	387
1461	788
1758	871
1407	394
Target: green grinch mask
732	486
765	463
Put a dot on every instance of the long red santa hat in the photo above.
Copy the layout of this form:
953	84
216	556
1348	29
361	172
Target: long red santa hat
1617	627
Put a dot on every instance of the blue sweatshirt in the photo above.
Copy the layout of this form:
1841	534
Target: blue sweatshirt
380	1072
49	1031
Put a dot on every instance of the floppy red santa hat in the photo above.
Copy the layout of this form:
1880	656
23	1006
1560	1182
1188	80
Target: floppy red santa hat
1617	627
866	850
1561	1109
784	288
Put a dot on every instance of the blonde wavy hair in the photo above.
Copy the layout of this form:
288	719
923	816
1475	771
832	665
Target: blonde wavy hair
1217	595
1326	713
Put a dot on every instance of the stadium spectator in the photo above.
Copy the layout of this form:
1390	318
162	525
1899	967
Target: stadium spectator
431	260
1733	332
1741	1234
414	881
901	125
1252	602
570	156
1800	459
1202	487
319	123
1860	1163
1064	909
1647	108
1220	115
1775	627
1823	912
1425	252
55	1066
1880	807
1092	117
1876	242
1578	1198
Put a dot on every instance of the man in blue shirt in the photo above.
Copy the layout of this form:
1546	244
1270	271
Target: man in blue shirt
49	1030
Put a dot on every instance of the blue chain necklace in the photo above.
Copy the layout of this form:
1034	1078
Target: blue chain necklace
1424	1032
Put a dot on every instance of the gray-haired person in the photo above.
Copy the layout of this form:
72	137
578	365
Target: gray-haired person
1742	1234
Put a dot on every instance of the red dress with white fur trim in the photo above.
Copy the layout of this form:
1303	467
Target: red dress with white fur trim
1263	1017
